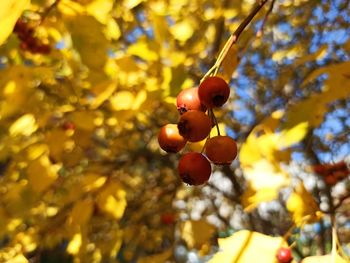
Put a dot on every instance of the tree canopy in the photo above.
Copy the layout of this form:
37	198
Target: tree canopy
85	87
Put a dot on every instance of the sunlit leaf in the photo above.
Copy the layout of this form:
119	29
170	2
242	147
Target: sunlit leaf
196	233
183	30
41	173
125	100
10	11
303	206
245	247
111	200
75	244
100	9
103	91
324	259
81	212
230	63
25	125
318	55
143	50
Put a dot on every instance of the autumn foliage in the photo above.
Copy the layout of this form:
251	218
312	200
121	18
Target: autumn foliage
174	131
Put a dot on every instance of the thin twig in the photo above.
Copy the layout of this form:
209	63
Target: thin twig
261	29
48	10
233	39
215	121
341	200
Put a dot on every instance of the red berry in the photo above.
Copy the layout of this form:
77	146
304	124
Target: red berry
330	179
68	125
170	140
167	218
320	169
284	255
44	49
188	100
213	92
194	125
221	149
20	26
23	45
194	168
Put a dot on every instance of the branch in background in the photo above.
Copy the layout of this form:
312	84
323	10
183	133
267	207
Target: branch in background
226	195
234	38
261	29
341	200
48	10
219	31
223	219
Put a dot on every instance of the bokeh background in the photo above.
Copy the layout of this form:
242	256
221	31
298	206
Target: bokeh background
85	86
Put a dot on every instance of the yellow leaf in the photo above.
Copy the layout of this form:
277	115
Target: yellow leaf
230	63
318	55
158	258
312	109
129	4
293	135
103	91
125	100
56	139
84	120
81	212
303	206
263	174
251	197
28	240
70	8
91	182
290	53
196	233
36	150
143	50
112	31
75	244
41	173
10	11
112	200
100	9
24	125
90	41
19	259
324	259
182	31
246	247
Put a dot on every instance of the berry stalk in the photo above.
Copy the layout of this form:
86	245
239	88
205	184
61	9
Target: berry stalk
234	39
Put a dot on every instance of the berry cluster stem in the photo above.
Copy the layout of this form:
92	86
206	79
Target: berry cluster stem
233	39
215	121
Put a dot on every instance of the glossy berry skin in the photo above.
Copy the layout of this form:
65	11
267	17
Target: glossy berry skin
194	125
213	92
194	168
284	255
221	150
170	140
188	100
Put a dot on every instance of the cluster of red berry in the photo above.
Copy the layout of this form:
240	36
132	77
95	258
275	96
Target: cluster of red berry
28	41
332	173
195	125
